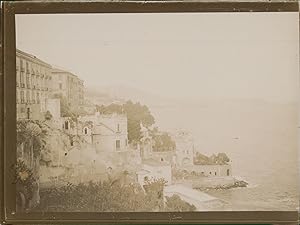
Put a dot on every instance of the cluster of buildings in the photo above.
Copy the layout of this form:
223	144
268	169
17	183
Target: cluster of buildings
38	82
164	165
40	89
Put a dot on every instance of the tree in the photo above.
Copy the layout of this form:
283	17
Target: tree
163	142
137	114
65	110
155	193
176	204
48	115
220	159
31	135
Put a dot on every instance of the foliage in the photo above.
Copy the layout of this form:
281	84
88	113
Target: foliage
175	203
48	115
163	142
220	159
25	182
65	110
137	114
105	196
32	135
184	174
155	196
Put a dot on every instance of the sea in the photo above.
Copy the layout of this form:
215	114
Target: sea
260	138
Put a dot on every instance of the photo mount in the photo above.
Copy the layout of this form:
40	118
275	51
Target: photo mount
8	115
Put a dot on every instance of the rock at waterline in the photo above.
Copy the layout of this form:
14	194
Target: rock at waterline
218	183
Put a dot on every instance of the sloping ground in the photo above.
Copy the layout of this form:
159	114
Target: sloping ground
201	200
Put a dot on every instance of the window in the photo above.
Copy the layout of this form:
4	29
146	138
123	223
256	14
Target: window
161	159
126	142
27	80
22	66
22	97
37	97
32	81
228	172
33	97
118	144
118	128
60	86
18	79
215	173
66	125
210	173
85	130
28	113
27	97
22	79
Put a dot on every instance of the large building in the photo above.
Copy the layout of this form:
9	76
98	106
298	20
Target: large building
69	86
34	86
107	133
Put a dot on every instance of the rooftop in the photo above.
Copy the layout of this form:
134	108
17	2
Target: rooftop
33	57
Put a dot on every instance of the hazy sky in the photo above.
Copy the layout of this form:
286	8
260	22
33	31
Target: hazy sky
251	55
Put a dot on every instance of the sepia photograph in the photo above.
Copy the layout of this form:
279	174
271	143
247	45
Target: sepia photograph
157	112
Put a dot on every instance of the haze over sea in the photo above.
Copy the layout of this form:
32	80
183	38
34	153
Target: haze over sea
260	138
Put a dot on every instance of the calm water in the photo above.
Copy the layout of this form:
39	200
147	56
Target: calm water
259	137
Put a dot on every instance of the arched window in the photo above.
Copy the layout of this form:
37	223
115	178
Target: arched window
67	125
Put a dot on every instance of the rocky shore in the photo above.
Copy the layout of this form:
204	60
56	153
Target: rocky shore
236	184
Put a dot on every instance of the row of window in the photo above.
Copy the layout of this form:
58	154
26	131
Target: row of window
31	68
27	97
118	144
33	82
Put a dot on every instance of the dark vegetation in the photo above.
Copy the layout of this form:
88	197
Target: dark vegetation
137	114
110	196
220	159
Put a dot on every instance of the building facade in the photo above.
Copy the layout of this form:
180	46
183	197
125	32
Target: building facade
184	149
211	170
107	133
69	86
34	86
